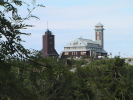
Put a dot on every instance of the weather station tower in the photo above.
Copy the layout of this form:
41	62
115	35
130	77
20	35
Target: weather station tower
48	44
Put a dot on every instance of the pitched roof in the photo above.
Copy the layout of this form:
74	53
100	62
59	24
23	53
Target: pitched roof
85	41
79	42
99	24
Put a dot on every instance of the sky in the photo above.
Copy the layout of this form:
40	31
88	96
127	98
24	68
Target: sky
71	19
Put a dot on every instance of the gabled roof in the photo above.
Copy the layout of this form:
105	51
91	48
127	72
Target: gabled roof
79	42
85	41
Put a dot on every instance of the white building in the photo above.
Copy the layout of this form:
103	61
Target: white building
86	47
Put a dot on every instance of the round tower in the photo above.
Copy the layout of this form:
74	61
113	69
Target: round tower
99	36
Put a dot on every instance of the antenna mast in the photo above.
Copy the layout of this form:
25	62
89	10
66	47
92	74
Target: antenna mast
47	24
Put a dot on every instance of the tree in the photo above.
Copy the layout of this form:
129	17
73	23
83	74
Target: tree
112	81
13	56
25	75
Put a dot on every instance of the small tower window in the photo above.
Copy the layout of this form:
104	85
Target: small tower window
50	42
50	37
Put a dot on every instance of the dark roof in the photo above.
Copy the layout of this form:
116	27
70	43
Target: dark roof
48	32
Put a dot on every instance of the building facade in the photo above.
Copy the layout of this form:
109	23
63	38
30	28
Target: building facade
48	45
86	47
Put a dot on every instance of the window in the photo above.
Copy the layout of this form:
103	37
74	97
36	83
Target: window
98	26
74	47
99	35
50	37
68	47
74	53
80	47
50	42
82	53
66	53
74	43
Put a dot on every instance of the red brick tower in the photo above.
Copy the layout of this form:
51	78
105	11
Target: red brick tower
48	45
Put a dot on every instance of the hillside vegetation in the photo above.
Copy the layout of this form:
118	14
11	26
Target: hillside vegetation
25	75
100	80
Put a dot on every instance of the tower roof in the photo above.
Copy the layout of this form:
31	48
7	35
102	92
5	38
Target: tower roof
48	32
99	24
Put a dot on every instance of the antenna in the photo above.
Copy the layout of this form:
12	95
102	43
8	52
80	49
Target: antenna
47	24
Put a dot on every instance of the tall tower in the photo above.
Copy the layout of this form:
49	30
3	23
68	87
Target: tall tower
48	45
99	36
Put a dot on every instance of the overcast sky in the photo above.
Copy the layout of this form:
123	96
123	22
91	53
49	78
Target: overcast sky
71	19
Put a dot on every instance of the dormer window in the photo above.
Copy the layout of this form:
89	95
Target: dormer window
74	43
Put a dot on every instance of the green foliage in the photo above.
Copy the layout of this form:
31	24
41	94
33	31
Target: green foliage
78	63
25	75
111	78
16	80
86	57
